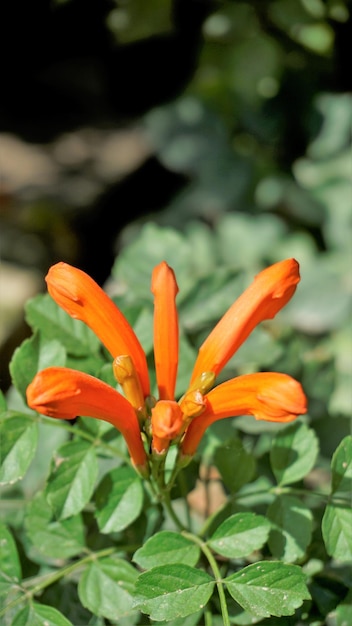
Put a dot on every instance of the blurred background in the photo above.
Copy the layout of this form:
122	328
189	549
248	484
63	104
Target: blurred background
116	114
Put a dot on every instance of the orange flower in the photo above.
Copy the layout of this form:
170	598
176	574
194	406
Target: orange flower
60	392
65	393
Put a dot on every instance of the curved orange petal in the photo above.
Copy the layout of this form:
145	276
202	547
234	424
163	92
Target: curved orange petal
273	397
270	291
65	393
164	288
80	296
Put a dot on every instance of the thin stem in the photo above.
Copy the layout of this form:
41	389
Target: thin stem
217	575
53	577
166	501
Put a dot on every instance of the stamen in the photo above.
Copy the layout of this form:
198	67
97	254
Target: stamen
126	375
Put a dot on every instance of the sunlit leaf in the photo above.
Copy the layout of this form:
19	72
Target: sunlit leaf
72	479
105	587
166	547
57	539
40	615
118	499
32	356
43	314
9	559
268	588
172	591
18	443
240	535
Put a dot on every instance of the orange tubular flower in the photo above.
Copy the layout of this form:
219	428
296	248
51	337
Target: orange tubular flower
268	396
65	393
81	297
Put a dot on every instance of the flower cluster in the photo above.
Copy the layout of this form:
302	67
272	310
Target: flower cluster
150	424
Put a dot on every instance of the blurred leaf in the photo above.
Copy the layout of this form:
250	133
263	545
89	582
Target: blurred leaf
268	588
136	20
32	356
18	444
133	271
291	528
118	499
55	539
334	133
322	301
167	547
40	615
105	587
235	464
337	531
72	478
172	591
341	466
10	565
293	453
43	314
240	535
209	299
344	612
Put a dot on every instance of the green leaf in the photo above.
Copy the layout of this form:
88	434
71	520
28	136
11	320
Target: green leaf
268	588
167	547
106	586
337	531
341	466
18	443
72	479
52	538
43	314
9	560
240	535
294	453
172	591
118	499
32	356
3	403
291	528
235	464
40	615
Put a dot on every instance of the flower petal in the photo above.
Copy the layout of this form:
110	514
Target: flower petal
65	393
164	287
80	296
274	397
263	299
167	424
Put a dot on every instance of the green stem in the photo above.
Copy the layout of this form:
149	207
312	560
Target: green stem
49	579
217	575
166	501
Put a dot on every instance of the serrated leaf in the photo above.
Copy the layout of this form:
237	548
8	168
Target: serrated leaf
32	356
167	547
231	456
240	535
9	560
49	537
291	528
40	615
71	482
18	443
43	314
294	453
172	591
106	586
337	531
118	499
268	588
341	466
